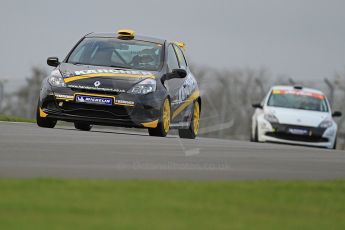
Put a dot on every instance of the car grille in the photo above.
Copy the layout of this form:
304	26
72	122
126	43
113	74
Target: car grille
97	111
282	132
95	91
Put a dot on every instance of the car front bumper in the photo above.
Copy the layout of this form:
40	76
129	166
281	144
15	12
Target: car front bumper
280	133
127	110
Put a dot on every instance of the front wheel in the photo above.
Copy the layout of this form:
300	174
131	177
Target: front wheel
255	138
335	143
82	126
43	121
193	129
163	126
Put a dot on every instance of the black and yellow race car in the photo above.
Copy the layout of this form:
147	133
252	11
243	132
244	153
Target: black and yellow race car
121	79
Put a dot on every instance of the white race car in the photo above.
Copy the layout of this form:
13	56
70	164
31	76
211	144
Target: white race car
295	115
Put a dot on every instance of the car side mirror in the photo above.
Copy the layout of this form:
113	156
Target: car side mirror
175	73
179	73
257	106
337	114
53	61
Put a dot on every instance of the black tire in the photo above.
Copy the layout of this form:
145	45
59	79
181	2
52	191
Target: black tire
251	138
256	135
162	129
192	131
44	122
335	143
82	126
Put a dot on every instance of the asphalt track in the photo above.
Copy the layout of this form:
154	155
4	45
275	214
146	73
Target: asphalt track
27	151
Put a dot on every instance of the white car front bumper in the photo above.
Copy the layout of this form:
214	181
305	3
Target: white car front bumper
267	133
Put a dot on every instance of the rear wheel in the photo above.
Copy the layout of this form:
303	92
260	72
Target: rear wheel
163	126
43	121
193	129
82	126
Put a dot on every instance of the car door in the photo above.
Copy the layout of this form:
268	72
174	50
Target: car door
189	86
174	85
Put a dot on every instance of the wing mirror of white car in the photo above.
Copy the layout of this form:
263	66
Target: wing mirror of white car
336	114
257	106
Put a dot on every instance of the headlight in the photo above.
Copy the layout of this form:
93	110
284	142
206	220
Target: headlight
326	124
144	87
55	79
271	118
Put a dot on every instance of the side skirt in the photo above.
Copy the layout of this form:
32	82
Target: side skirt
180	125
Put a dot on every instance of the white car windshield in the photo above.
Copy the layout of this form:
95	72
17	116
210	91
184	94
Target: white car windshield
298	99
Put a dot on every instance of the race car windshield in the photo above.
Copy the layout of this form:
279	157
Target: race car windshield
117	53
298	100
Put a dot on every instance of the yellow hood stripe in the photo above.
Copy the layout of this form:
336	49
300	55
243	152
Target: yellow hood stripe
185	104
75	78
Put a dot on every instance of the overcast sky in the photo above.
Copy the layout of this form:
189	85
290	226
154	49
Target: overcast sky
301	38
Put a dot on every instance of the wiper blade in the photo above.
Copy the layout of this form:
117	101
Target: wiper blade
118	67
113	66
78	63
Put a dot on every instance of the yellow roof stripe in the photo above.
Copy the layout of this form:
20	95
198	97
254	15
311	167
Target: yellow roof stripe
75	78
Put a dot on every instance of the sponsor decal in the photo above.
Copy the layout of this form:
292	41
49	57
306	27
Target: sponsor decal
114	71
186	103
124	102
94	100
66	74
84	74
64	96
96	88
186	90
300	93
298	131
180	124
97	83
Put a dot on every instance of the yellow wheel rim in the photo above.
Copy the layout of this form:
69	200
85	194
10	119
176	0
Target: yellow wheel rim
196	118
166	116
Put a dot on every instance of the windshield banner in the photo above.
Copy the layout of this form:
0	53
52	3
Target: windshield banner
299	93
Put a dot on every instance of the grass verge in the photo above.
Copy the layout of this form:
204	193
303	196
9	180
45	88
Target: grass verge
90	204
15	119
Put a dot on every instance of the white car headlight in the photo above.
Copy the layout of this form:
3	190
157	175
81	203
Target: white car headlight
55	79
144	87
326	124
271	118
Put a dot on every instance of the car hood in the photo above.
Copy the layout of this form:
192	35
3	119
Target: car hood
298	116
101	78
